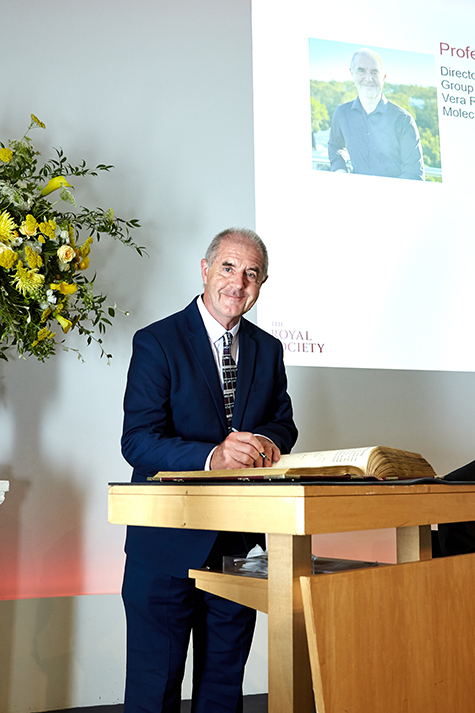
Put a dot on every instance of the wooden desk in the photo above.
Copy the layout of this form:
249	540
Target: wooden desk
290	513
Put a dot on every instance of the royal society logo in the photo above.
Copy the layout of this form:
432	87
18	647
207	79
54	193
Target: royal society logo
296	340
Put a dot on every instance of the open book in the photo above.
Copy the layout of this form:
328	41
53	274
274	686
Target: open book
380	462
373	462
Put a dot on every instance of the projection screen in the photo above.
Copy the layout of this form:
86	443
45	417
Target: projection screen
370	265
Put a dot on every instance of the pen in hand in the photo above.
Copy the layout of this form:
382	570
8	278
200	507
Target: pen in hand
262	455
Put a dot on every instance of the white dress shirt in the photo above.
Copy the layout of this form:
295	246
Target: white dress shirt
215	332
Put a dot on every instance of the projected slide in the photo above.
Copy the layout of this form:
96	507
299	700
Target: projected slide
364	154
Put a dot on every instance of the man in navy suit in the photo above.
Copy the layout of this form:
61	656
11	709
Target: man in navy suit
175	420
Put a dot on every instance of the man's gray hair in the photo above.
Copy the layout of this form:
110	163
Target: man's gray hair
371	53
239	235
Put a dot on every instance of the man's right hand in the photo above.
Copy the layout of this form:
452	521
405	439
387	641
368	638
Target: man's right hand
242	449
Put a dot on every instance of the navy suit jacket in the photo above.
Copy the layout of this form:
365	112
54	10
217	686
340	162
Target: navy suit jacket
174	416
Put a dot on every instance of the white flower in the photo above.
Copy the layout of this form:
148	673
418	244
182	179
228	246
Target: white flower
51	297
7	190
67	196
36	246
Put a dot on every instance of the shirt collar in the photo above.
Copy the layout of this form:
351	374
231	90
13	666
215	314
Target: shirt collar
381	107
214	329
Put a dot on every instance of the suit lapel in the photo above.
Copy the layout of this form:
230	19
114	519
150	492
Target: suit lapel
247	360
201	349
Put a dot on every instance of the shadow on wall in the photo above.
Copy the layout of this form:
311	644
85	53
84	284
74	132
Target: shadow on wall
40	543
36	653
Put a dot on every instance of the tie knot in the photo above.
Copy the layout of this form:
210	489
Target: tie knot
227	339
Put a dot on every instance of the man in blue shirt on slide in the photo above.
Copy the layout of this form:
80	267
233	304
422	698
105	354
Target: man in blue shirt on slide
376	136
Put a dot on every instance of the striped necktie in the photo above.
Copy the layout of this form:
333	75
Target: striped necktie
229	377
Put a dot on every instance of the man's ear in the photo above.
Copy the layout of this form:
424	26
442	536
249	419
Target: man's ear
264	280
204	270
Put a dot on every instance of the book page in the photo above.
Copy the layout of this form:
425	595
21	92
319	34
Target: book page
320	459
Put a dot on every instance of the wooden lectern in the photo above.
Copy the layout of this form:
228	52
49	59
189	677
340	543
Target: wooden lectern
290	513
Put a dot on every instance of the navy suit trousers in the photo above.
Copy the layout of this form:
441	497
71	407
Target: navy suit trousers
161	612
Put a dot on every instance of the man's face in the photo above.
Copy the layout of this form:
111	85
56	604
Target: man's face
232	282
368	75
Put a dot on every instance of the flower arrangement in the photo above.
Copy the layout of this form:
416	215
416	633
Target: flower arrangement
43	253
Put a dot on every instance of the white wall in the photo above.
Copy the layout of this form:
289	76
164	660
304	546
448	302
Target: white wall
64	652
432	413
161	89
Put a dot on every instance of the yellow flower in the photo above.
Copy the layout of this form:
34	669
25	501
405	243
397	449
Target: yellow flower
48	228
7	257
66	253
6	155
32	257
7	227
43	333
53	185
64	287
66	324
36	121
29	227
27	281
45	314
84	264
86	248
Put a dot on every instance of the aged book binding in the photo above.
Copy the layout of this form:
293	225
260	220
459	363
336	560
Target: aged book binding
373	462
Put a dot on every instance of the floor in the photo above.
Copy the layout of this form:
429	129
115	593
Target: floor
252	704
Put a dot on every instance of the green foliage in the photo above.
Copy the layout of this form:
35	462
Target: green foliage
430	148
320	118
331	94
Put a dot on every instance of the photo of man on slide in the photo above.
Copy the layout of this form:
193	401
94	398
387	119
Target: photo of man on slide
371	135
